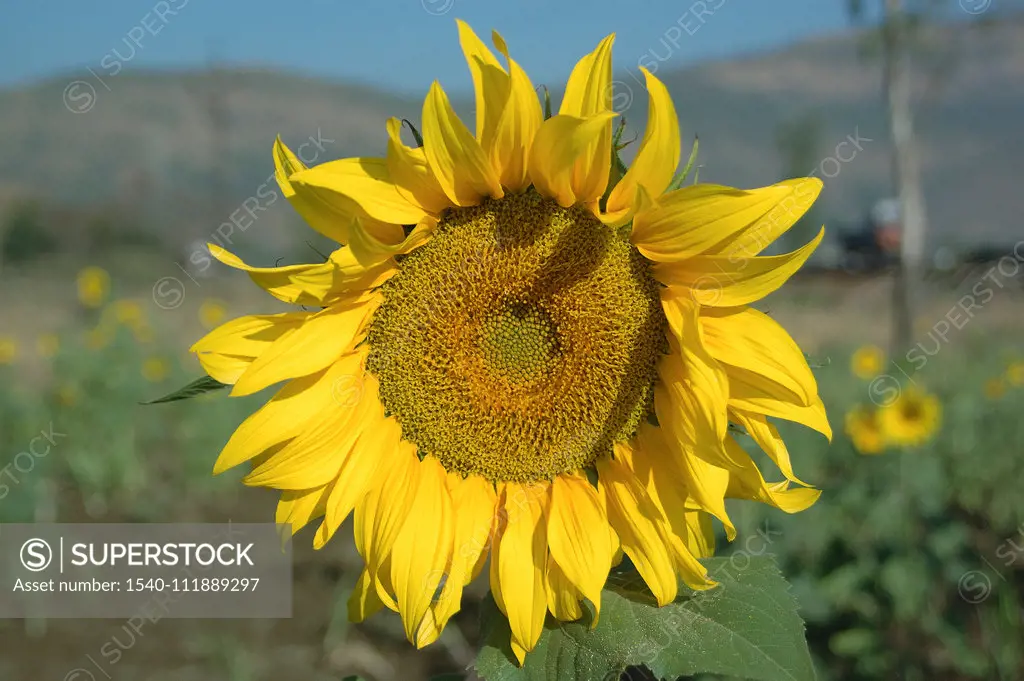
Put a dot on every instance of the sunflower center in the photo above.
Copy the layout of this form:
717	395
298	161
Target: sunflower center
912	411
520	342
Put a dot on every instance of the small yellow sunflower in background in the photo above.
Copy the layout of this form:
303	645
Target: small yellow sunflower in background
212	313
865	430
68	394
47	345
1015	374
8	349
995	388
462	399
867	361
128	312
911	419
93	286
155	369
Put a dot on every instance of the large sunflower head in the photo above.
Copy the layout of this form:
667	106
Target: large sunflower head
912	418
521	352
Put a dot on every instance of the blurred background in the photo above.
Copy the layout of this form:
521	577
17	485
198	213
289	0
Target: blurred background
133	132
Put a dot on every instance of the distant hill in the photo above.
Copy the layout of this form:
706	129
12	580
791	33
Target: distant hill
150	139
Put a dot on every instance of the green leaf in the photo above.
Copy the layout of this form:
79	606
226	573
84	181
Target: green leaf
547	102
618	168
415	133
193	389
678	180
747	627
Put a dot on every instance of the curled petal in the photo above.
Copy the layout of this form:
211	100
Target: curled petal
456	158
656	159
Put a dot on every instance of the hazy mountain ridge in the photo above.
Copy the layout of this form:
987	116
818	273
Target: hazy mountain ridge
175	141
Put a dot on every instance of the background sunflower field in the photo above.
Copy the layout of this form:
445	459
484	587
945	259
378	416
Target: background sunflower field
910	566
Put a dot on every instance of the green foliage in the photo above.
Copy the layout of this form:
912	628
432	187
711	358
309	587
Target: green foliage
24	235
200	386
904	567
746	627
114	458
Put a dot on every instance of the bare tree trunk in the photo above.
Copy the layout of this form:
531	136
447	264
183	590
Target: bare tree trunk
906	175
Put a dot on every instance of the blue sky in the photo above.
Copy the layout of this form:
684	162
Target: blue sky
396	44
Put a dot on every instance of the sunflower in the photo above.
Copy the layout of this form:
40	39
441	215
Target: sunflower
128	312
155	369
1015	374
995	388
865	431
867	361
8	349
911	419
211	313
68	394
93	286
523	352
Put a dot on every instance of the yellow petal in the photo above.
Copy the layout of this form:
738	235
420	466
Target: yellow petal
316	285
731	281
455	157
376	242
658	476
517	126
359	186
222	367
655	466
692	377
751	340
749	484
518	562
228	351
381	514
294	405
578	536
701	536
635	517
377	446
321	215
563	597
767	437
557	148
490	82
474	499
658	156
424	546
315	455
751	393
712	219
298	507
706	484
364	601
473	503
588	93
411	174
784	214
321	340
